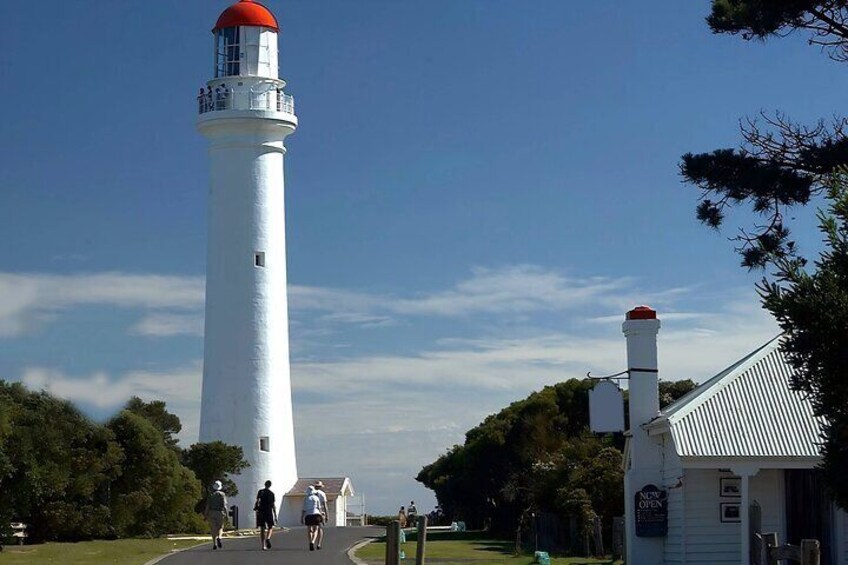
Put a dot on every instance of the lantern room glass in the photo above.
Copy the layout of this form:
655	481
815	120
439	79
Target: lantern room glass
227	52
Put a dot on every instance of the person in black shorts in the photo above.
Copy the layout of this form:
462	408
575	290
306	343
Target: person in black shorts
312	515
266	514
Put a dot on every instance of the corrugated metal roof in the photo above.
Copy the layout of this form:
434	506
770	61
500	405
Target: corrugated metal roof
747	410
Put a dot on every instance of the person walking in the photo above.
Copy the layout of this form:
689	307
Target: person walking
266	514
402	517
216	513
319	491
312	515
411	513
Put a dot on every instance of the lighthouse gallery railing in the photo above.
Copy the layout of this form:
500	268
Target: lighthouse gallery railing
229	99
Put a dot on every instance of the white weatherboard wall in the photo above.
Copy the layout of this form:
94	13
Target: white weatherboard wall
708	539
246	381
672	482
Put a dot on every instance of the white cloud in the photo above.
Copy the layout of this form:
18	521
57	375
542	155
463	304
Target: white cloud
518	288
164	325
380	418
29	300
178	387
510	289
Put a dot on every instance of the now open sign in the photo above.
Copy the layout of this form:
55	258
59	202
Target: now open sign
651	512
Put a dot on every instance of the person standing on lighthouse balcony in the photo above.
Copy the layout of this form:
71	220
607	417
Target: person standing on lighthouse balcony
246	394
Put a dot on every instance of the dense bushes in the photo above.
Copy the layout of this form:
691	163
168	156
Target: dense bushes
72	479
535	456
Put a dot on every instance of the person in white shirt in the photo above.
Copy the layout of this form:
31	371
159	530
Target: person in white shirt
319	490
312	515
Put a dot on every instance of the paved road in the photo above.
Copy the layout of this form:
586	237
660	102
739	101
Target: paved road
289	548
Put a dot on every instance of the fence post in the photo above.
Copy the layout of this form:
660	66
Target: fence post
618	537
393	543
598	535
757	549
421	550
769	543
810	552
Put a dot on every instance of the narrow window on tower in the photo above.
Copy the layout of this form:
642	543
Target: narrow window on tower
259	259
264	443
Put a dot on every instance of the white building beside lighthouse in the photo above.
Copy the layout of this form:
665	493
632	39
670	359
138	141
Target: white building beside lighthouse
735	456
246	116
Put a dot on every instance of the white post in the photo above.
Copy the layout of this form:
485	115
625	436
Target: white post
641	327
745	472
746	522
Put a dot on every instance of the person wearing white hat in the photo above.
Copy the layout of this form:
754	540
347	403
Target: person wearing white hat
216	513
312	515
319	492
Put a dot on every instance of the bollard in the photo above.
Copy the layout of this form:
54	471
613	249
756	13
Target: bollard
393	543
420	552
810	552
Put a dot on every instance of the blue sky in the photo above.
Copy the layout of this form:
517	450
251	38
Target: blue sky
477	192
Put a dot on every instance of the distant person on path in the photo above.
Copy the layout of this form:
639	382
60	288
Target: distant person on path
411	513
216	513
319	491
402	517
312	515
266	514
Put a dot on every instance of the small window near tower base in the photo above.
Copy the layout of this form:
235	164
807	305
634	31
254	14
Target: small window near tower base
264	443
259	259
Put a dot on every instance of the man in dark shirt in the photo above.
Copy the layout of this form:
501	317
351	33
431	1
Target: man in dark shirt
266	514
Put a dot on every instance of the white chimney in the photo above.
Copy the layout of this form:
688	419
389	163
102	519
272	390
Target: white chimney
641	327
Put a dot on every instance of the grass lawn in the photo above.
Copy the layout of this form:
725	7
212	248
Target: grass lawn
473	550
118	552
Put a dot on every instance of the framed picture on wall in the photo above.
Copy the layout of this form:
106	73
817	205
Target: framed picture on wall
730	486
731	512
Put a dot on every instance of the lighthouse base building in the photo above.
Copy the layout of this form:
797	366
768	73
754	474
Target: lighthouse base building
734	457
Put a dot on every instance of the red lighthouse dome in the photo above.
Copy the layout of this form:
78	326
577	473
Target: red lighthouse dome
247	13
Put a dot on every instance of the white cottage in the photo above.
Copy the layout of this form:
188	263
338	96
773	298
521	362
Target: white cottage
339	490
735	455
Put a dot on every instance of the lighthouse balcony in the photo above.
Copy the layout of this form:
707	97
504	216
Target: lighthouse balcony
271	100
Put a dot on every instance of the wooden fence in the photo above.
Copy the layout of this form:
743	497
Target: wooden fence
393	542
766	551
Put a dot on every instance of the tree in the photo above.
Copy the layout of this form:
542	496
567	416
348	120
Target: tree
780	165
56	466
154	493
670	391
812	310
825	20
516	461
157	414
215	461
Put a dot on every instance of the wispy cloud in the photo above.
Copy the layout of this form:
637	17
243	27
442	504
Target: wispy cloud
509	289
29	300
172	305
413	406
179	387
166	325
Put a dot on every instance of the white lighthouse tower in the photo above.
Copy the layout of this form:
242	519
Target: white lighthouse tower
246	117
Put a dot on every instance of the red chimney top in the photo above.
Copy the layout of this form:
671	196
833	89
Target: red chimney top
642	313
